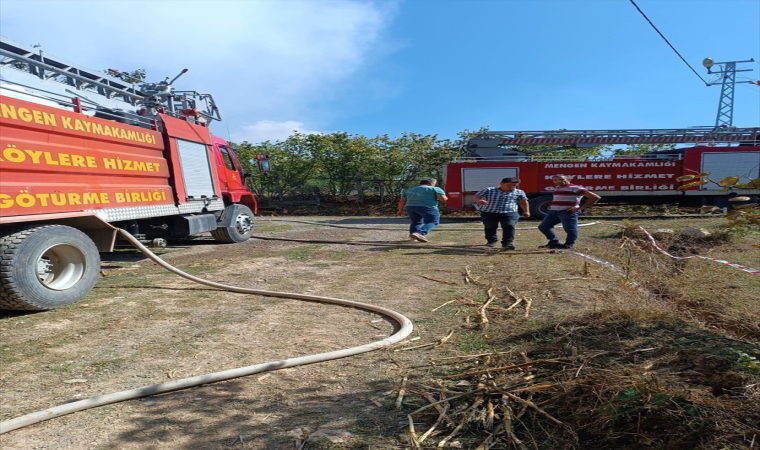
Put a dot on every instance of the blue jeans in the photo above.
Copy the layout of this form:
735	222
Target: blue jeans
569	221
491	223
424	218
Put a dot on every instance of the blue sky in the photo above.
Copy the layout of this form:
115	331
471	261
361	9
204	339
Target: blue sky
421	66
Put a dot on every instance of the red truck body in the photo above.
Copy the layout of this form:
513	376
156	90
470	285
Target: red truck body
55	161
649	178
58	162
90	175
75	167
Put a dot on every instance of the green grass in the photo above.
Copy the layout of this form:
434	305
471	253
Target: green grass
106	364
300	253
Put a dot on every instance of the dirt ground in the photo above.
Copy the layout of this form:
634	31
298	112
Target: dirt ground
142	325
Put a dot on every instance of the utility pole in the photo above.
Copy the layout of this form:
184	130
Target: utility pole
727	75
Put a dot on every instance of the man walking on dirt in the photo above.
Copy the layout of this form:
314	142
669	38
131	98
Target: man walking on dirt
498	205
565	209
420	203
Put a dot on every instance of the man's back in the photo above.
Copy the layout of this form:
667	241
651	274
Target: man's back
423	195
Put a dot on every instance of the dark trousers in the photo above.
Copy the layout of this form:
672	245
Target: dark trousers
491	223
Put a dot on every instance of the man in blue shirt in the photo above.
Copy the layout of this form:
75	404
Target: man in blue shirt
420	203
498	205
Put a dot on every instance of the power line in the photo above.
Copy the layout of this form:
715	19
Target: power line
668	42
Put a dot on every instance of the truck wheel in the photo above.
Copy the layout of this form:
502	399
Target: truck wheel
241	227
539	206
46	267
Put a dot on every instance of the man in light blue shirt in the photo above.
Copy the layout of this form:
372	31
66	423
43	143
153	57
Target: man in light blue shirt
420	203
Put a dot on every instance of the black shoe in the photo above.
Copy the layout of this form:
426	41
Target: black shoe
491	244
551	245
565	246
508	247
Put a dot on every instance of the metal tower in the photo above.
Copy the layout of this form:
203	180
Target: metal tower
727	76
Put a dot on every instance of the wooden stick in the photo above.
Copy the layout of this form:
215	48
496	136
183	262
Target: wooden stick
467	275
472	356
401	392
444	339
470	412
507	420
512	294
432	344
444	400
517	302
512	367
438	281
490	416
482	309
534	406
412	433
439	307
441	417
468	278
528	303
518	441
437	404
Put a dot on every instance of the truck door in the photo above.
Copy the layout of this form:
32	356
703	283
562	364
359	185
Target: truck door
477	178
230	171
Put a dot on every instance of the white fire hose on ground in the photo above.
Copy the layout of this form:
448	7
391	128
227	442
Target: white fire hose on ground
403	329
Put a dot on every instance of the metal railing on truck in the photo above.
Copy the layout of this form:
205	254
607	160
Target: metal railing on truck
675	156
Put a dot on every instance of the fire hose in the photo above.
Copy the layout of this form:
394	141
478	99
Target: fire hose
403	329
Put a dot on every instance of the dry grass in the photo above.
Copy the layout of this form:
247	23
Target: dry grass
665	357
522	349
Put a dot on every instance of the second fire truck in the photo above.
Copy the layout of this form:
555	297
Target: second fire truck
648	178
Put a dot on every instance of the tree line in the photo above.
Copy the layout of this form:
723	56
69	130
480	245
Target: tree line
336	164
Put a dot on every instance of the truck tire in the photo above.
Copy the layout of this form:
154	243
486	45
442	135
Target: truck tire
240	228
539	206
46	267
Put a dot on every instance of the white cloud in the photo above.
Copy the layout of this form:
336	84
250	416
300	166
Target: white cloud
269	130
263	61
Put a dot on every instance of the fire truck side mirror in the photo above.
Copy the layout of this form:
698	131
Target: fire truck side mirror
263	162
264	166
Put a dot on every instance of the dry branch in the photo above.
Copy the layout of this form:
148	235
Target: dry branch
470	412
490	416
528	304
534	406
432	344
527	300
512	367
468	278
401	392
437	404
482	309
473	356
439	307
437	281
441	418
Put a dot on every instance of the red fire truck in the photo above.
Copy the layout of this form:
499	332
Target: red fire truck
82	153
643	179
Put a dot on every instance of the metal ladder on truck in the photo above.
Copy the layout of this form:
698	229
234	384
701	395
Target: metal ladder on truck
27	71
591	138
